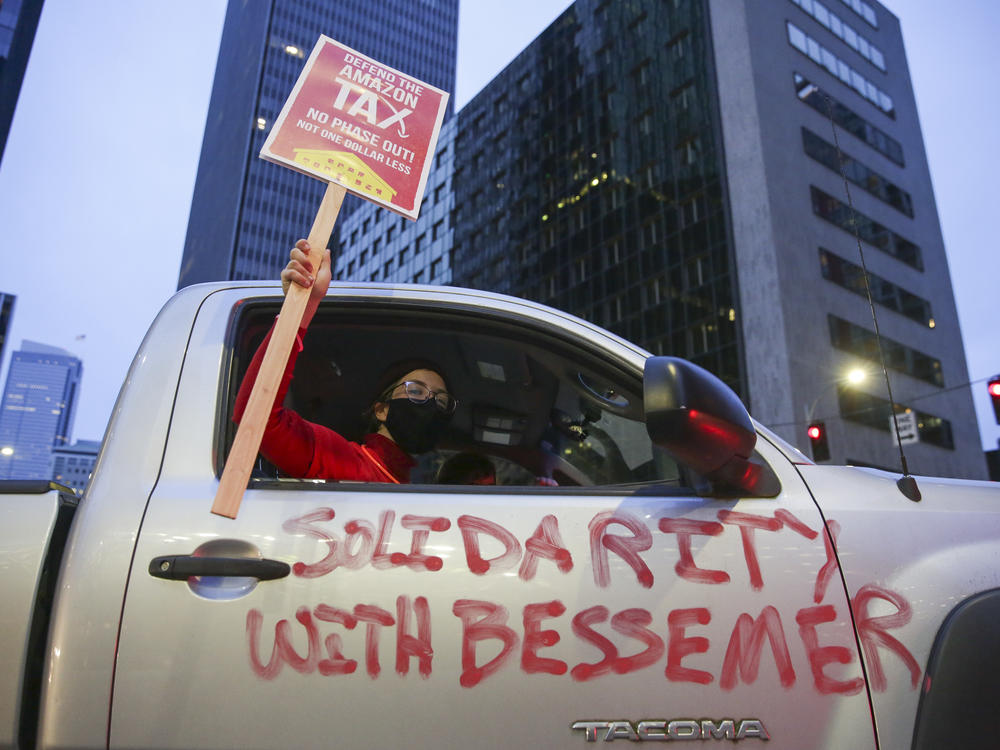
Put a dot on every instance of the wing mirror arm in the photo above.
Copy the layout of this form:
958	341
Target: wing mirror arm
701	422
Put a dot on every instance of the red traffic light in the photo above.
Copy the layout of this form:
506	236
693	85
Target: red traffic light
817	440
993	388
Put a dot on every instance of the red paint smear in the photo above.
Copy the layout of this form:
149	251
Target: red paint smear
375	618
746	644
471	527
788	519
830	566
421	526
408	645
536	638
482	621
361	533
381	560
748	523
871	631
819	656
545	543
304	525
681	645
627	548
685	568
283	651
335	663
633	623
581	628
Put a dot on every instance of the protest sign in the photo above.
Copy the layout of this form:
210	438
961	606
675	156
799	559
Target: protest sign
361	127
361	124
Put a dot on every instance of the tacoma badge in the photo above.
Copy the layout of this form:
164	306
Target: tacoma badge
673	729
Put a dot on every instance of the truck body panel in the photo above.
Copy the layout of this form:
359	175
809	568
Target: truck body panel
633	601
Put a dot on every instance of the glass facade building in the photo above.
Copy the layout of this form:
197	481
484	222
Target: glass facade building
36	414
246	213
18	23
589	176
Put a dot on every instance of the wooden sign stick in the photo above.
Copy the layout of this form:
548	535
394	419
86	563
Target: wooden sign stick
243	453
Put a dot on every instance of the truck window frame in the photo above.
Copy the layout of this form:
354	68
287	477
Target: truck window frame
250	320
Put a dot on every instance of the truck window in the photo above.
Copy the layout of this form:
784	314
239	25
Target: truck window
547	411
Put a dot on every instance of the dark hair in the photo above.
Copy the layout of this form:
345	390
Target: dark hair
465	468
395	372
392	375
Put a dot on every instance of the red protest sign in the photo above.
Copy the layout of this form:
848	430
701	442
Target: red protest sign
360	124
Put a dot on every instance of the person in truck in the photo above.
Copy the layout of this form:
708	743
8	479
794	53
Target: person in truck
411	406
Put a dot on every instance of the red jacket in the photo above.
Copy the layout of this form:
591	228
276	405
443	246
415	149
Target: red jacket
303	449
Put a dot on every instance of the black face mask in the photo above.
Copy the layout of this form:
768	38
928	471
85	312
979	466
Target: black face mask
415	428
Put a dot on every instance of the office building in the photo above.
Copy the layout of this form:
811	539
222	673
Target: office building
73	464
18	22
669	170
36	414
246	213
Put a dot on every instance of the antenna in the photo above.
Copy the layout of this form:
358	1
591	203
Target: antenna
906	483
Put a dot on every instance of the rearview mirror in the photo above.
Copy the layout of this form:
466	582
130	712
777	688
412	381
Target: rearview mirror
699	421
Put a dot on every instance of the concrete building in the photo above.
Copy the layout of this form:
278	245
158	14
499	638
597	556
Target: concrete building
670	170
246	213
36	414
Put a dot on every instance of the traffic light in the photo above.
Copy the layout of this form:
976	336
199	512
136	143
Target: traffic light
817	439
994	389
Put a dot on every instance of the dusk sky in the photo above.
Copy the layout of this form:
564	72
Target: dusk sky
97	176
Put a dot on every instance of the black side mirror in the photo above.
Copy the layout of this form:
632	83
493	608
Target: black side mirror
698	420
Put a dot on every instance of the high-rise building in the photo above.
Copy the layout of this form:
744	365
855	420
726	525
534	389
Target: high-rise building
18	22
246	213
6	316
73	464
671	171
36	414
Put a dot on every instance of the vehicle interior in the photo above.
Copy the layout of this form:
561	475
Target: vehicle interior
544	410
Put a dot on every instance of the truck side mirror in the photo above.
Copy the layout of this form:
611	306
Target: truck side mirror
699	421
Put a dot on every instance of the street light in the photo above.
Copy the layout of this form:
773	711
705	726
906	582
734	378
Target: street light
856	376
816	430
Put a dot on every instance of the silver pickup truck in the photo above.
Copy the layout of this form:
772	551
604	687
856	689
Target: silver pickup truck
682	574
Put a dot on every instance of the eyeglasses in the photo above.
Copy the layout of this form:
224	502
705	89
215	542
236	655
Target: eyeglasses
420	393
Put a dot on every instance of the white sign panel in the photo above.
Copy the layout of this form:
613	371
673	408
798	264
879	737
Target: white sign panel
907	423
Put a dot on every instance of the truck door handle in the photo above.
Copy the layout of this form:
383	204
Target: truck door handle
182	567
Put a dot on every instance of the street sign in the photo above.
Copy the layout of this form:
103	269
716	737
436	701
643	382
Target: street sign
908	433
358	123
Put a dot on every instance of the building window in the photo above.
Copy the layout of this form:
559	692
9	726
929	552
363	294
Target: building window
868	179
861	342
837	67
844	31
873	411
840	215
849	120
851	276
436	268
864	10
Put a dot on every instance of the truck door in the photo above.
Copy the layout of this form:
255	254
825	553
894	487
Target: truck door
592	594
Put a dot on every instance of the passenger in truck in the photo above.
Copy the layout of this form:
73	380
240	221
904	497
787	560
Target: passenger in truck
410	409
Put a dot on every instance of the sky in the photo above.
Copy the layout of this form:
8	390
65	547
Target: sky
99	168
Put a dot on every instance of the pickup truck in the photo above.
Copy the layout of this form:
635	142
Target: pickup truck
682	575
